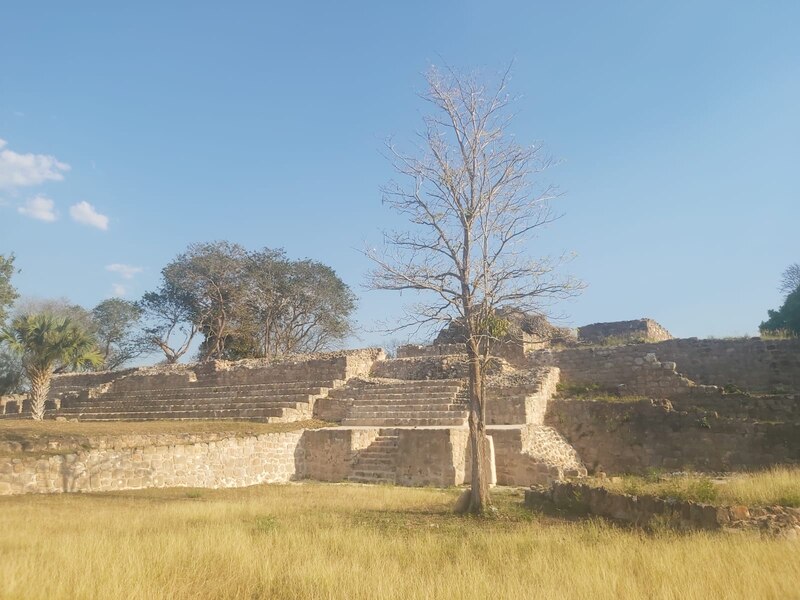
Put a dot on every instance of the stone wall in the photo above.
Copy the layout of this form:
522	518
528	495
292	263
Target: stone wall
750	364
329	453
509	404
435	456
639	330
632	437
424	367
644	510
626	370
214	463
532	454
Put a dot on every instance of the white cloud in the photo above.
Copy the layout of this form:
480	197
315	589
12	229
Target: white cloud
118	290
127	271
85	213
39	207
19	170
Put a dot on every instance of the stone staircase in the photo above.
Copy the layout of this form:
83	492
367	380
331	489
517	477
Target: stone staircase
266	402
399	403
377	462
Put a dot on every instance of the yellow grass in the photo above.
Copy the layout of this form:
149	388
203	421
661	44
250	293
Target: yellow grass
346	541
776	486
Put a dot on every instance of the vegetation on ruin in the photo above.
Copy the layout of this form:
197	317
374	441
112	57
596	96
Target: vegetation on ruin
359	542
776	486
593	392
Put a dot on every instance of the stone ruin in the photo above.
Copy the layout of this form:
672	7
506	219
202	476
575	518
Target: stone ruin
623	332
714	405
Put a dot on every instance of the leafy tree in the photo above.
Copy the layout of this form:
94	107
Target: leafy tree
7	292
786	318
247	304
168	318
115	322
11	374
292	306
47	344
473	209
210	280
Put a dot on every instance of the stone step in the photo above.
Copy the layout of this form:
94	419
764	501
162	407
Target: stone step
279	400
293	385
378	391
407	422
370	462
173	407
442	385
408	406
210	392
171	415
408	414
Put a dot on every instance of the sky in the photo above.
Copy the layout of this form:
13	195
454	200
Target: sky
130	130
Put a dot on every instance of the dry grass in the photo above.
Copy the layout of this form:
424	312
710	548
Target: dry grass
345	541
776	486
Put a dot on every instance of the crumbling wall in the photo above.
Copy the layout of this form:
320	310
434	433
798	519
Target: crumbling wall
620	332
750	364
632	437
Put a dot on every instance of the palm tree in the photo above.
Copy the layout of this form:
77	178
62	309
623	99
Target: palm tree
47	344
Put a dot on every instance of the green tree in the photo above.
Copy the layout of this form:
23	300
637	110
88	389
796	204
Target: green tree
168	322
786	318
247	304
210	280
292	306
115	322
48	344
7	292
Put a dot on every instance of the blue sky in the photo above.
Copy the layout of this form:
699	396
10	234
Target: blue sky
262	123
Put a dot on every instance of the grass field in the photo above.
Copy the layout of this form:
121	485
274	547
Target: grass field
779	485
348	541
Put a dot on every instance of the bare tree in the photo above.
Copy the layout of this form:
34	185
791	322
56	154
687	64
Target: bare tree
790	279
470	194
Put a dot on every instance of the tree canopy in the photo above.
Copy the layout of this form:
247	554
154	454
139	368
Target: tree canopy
116	328
786	319
246	304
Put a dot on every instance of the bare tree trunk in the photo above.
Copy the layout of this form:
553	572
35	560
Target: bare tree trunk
40	388
479	497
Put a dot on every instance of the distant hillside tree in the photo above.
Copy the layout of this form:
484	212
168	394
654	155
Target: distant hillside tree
48	344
